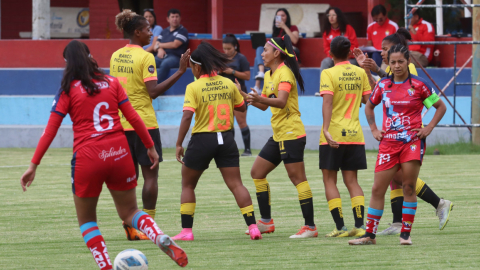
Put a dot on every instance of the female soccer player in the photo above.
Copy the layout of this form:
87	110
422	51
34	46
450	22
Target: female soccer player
136	71
280	93
342	146
402	139
335	25
239	69
100	152
212	99
442	206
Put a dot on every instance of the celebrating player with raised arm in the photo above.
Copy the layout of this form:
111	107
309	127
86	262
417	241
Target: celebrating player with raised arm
402	139
212	98
423	191
342	146
280	93
100	151
135	69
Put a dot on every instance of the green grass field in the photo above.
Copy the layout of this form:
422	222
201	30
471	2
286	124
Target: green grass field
39	230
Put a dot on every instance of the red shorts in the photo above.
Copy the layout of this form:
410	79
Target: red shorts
395	152
106	161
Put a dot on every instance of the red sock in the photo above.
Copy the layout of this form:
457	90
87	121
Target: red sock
145	223
96	245
373	219
408	215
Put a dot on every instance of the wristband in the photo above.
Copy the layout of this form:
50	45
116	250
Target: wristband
233	72
432	99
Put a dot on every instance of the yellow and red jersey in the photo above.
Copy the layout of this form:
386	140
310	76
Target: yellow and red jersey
286	122
212	99
133	66
347	83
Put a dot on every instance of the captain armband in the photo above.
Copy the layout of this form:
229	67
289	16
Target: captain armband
432	99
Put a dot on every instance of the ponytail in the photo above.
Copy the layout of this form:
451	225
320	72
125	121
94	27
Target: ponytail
209	58
290	60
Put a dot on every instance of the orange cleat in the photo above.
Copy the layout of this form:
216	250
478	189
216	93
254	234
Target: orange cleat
133	234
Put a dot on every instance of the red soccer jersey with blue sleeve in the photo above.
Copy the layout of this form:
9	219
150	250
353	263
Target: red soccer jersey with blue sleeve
402	106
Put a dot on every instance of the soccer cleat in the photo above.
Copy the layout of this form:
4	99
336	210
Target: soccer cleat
306	232
357	232
363	240
338	233
133	234
175	252
247	153
394	229
406	241
260	76
254	232
264	227
443	212
184	235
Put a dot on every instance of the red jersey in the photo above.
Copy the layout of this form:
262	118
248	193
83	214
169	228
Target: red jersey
424	32
402	106
349	33
94	116
376	33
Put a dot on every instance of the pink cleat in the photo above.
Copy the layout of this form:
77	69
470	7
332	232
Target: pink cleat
185	235
254	232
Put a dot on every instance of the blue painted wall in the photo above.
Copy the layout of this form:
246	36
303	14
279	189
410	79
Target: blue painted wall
35	110
47	81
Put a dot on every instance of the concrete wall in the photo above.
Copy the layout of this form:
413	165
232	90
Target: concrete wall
28	136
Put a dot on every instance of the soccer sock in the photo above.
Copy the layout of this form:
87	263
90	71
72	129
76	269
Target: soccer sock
335	207
246	137
263	197
248	215
187	210
425	193
373	219
306	202
358	207
396	200
145	223
94	240
409	210
150	212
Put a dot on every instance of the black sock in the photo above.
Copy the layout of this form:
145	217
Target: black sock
371	235
404	235
187	221
307	211
263	197
397	206
338	218
248	215
246	137
358	214
427	194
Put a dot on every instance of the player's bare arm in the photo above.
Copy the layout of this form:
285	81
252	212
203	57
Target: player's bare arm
370	114
440	111
278	102
182	132
155	90
327	117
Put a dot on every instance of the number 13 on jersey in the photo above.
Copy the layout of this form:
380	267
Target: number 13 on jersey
222	112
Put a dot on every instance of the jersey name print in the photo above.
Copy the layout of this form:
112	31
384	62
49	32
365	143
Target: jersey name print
133	66
213	99
402	106
348	84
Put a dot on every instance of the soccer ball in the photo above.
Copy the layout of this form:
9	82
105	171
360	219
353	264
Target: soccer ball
130	259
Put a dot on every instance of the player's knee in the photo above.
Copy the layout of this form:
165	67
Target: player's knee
377	191
408	189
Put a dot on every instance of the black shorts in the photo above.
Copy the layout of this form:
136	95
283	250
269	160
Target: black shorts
138	150
290	151
203	147
346	157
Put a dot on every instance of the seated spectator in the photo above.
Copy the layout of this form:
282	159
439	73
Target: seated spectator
171	44
421	30
156	29
378	30
336	25
281	26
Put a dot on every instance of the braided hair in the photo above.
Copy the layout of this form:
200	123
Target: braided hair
129	21
404	50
